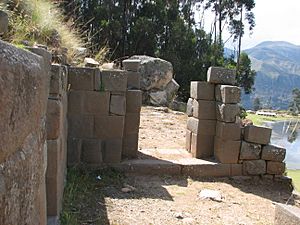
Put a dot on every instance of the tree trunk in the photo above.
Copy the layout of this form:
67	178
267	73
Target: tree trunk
240	40
220	22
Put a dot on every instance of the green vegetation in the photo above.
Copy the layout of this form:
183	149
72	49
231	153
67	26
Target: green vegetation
41	22
295	175
83	201
295	104
259	120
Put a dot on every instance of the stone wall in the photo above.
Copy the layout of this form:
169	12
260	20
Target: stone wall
214	129
57	131
103	114
24	86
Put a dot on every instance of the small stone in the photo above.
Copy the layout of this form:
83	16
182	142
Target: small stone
89	62
210	194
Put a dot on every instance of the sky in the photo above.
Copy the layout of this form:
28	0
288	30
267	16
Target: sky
276	20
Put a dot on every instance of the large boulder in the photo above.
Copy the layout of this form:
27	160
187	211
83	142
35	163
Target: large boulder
156	73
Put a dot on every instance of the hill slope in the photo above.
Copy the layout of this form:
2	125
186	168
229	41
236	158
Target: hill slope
278	72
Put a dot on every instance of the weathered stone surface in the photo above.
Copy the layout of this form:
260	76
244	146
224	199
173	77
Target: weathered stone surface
202	127
178	105
259	135
112	150
227	112
188	140
286	214
155	73
273	153
133	80
201	90
53	157
207	170
114	80
117	105
220	75
54	119
74	151
228	94
189	107
132	123
250	150
131	64
92	151
158	98
133	101
171	90
56	81
228	131
202	146
82	78
90	62
130	145
96	103
227	151
81	126
3	22
204	110
276	168
236	170
75	102
24	87
254	167
108	127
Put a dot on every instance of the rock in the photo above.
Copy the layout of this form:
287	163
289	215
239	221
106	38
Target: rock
178	106
158	98
171	90
179	216
189	107
210	194
188	221
127	188
156	73
89	62
3	22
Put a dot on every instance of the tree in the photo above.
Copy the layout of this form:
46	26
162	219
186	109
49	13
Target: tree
256	104
295	104
245	75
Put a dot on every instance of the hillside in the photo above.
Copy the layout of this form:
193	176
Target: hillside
278	72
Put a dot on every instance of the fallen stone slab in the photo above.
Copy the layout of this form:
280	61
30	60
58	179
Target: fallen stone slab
286	214
220	75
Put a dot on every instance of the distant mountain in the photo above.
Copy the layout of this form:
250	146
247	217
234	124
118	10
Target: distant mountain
278	71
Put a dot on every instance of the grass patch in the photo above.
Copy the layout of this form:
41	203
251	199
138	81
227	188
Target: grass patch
259	120
83	201
295	175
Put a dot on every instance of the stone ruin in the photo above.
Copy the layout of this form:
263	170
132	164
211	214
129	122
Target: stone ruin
214	129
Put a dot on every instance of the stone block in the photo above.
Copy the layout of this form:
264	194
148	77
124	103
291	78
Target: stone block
117	105
56	85
227	151
188	140
81	78
286	214
202	146
259	135
204	110
92	151
236	170
131	64
130	145
202	90
114	80
189	107
254	167
53	157
54	119
227	112
228	131
133	101
74	151
273	153
54	195
250	150
275	168
201	127
113	150
97	81
75	102
109	127
206	170
228	94
3	22
81	126
133	80
96	103
220	75
132	123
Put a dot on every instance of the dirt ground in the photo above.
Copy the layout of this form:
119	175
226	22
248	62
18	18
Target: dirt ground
156	200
